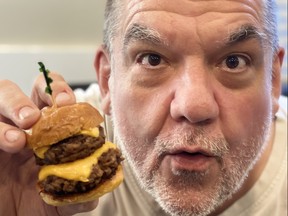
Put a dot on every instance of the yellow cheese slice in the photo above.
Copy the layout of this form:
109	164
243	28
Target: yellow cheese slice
78	170
94	132
41	151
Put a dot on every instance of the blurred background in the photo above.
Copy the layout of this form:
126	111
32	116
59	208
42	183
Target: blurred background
64	35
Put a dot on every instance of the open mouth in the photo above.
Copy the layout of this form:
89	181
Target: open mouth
190	161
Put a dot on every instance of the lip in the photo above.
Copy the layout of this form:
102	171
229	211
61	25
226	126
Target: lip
196	159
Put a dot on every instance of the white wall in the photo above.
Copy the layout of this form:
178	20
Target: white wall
75	64
282	21
63	34
51	21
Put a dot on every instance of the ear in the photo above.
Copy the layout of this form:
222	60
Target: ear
276	78
103	70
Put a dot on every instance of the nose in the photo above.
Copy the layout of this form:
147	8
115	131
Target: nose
194	98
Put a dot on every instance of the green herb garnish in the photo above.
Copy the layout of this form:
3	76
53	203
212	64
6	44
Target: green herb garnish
48	80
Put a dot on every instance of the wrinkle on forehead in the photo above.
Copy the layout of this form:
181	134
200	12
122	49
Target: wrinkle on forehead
136	11
195	7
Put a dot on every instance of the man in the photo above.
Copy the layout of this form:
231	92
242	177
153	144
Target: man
192	88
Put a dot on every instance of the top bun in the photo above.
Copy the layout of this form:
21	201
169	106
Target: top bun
58	123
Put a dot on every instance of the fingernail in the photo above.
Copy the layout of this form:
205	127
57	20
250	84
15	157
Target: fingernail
12	135
26	112
62	97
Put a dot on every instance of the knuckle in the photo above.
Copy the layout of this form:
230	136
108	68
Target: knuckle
7	85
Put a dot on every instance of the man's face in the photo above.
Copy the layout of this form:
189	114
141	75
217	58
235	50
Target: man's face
191	98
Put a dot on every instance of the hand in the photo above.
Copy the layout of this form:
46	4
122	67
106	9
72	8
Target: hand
18	112
18	174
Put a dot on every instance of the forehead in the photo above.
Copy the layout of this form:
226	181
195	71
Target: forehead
190	7
212	13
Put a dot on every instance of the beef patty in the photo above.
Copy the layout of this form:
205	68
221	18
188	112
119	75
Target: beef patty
105	168
71	149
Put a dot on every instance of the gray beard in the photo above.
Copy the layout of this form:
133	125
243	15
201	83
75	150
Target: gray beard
172	198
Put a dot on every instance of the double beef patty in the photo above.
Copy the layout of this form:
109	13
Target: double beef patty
71	149
74	148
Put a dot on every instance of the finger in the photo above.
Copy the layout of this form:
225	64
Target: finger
77	208
61	91
12	139
16	106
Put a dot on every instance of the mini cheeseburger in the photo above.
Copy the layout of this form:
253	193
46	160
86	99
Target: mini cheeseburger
77	164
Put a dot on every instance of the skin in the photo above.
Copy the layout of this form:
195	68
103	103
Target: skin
192	92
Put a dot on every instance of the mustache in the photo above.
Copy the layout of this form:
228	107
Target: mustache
194	139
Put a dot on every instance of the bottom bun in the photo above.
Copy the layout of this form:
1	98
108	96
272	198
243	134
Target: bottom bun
103	188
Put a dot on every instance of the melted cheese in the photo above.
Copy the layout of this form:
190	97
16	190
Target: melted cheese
41	151
78	170
94	132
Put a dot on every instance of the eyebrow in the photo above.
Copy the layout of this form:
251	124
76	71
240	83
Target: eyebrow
245	32
138	32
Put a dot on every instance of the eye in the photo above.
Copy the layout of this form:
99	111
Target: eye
234	64
150	60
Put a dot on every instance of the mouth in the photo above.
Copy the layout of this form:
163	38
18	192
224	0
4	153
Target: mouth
197	160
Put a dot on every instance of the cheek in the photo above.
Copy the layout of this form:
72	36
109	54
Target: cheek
246	118
138	119
140	113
